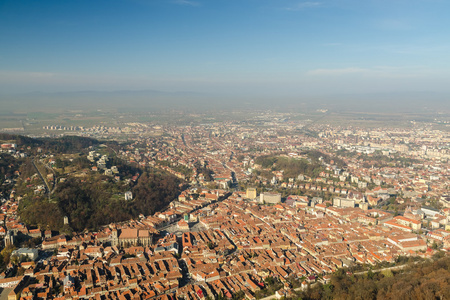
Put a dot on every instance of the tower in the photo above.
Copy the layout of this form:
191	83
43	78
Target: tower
9	238
114	238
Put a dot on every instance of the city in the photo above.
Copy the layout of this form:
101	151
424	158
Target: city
224	150
261	199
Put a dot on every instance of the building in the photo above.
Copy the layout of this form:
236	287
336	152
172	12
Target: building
251	193
32	254
8	146
183	225
343	202
295	200
10	282
270	198
9	238
128	195
414	224
364	205
445	200
131	237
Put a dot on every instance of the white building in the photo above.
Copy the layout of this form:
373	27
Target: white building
128	195
270	198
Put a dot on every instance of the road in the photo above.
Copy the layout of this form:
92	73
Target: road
4	293
54	177
389	268
42	178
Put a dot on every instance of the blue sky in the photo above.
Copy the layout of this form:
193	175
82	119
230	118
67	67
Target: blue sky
242	47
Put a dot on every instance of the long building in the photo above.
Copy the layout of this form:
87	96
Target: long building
270	198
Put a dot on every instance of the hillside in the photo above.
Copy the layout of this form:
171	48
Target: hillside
424	280
93	201
89	190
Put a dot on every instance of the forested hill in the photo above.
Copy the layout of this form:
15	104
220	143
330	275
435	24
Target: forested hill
79	187
91	202
292	167
423	280
66	144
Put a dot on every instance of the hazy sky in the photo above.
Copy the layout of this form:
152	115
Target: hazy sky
283	47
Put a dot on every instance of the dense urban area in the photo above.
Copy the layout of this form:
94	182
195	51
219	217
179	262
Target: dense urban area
271	206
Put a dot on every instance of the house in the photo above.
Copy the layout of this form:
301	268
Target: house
373	201
168	216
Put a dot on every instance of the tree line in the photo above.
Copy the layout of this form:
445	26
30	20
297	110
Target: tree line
429	279
65	144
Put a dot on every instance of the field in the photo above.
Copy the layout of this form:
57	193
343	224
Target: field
30	121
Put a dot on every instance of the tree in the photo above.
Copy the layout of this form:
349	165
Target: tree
387	273
6	254
435	246
210	245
